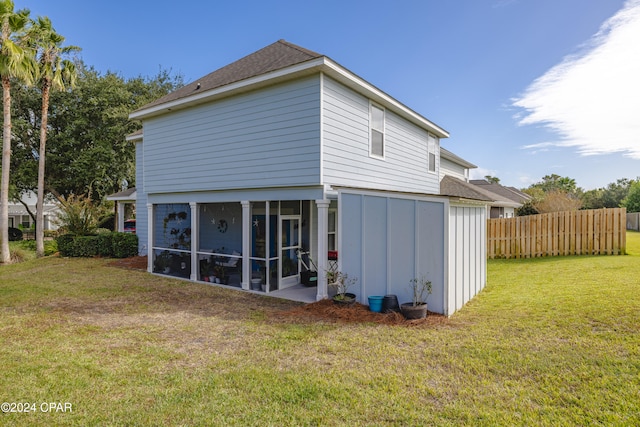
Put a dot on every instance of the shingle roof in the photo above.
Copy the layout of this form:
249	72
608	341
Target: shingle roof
450	186
509	193
129	193
278	55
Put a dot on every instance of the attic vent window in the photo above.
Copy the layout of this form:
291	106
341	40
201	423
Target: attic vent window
376	143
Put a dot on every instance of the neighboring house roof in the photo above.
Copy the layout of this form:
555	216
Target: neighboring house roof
451	186
278	62
509	193
446	154
125	195
454	187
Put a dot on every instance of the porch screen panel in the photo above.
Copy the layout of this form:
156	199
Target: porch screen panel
172	239
220	243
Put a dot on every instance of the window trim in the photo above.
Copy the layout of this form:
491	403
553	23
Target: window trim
432	142
372	129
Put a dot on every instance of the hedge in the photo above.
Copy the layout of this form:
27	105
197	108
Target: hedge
115	245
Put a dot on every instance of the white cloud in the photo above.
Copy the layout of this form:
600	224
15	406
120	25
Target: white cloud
480	173
592	100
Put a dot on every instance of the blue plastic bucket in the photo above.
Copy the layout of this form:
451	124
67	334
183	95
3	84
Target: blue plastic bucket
375	303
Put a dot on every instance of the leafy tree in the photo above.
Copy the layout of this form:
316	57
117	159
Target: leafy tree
86	148
593	199
15	62
55	74
555	182
610	196
492	179
632	201
615	192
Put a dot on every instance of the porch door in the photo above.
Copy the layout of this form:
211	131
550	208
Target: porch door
290	237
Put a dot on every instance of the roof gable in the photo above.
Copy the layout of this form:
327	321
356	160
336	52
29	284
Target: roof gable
276	56
279	62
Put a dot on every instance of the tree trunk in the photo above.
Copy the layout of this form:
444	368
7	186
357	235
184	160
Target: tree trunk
41	163
5	255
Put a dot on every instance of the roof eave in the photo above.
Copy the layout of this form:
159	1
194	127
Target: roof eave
270	78
322	64
360	85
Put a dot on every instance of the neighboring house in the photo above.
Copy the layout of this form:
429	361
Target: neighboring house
125	201
286	152
507	201
19	215
503	201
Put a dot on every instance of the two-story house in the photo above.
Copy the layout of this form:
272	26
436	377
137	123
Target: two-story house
285	152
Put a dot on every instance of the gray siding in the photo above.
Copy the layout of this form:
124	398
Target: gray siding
447	167
385	241
266	138
141	203
467	255
345	121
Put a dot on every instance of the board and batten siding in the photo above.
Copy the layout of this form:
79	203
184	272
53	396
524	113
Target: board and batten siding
346	159
467	254
265	138
387	240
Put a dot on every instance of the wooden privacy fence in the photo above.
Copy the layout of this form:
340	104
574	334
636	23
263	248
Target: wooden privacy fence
588	232
633	221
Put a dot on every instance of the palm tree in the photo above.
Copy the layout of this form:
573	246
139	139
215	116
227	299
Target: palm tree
55	74
15	62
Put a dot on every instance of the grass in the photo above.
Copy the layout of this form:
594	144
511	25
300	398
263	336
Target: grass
552	341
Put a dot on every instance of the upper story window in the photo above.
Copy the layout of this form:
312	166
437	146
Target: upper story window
431	147
376	143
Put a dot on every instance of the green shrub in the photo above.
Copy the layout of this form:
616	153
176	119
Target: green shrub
85	246
79	215
65	244
50	247
104	244
15	234
117	245
124	245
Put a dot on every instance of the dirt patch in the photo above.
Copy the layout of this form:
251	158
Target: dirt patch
135	263
325	310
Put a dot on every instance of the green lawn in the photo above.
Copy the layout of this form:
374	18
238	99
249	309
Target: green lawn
552	341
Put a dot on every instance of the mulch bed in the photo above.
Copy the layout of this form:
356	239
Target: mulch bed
324	310
135	263
327	310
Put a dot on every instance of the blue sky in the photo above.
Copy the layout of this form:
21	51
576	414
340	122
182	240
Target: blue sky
525	88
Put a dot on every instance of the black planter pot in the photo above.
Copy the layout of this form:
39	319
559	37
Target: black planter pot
344	299
410	311
390	303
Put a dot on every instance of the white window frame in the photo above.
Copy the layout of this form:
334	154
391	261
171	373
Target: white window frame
372	129
432	143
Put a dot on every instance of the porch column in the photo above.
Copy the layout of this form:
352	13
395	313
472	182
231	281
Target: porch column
121	209
246	243
194	240
149	237
323	245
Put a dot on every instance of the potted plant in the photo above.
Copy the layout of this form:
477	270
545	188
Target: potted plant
417	309
162	263
341	282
